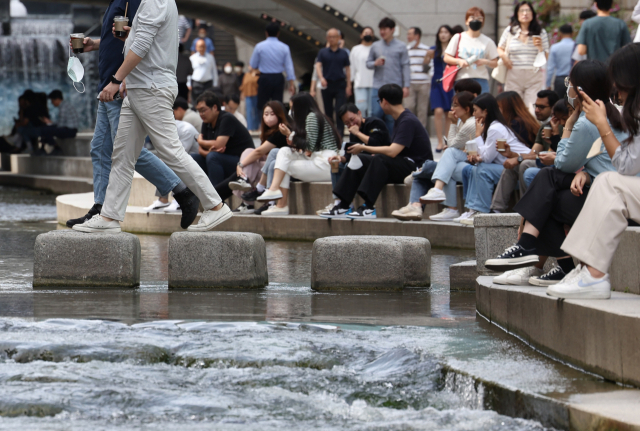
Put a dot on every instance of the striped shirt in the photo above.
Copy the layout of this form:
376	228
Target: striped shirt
67	115
328	141
459	134
416	62
522	55
183	26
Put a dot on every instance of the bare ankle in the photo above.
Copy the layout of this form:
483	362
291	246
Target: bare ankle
217	207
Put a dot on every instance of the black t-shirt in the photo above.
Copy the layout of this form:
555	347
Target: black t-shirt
376	130
333	63
409	132
228	125
521	132
277	139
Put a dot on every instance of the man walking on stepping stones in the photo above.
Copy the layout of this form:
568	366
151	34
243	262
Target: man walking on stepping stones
151	48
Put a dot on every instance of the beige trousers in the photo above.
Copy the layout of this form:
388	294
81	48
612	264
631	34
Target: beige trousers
594	237
150	112
507	184
418	101
527	83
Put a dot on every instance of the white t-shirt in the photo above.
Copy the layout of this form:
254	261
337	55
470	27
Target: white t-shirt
362	77
480	47
188	136
416	63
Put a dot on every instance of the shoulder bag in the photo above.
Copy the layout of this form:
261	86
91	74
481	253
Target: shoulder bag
500	72
451	71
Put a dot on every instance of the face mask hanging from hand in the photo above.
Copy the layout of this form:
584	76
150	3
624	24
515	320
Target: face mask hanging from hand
75	70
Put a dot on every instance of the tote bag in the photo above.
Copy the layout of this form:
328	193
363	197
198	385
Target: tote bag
500	72
451	71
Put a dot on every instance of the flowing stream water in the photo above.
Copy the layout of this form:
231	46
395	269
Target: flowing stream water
281	358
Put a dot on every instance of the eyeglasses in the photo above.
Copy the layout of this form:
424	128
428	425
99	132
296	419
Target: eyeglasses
524	12
541	107
567	83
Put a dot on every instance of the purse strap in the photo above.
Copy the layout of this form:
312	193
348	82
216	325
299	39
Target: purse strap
458	47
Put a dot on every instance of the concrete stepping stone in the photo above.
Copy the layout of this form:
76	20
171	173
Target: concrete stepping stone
66	258
217	260
370	263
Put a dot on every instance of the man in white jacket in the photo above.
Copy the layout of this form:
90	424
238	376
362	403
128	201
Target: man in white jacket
151	49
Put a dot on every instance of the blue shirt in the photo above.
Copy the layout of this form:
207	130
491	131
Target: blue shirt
110	55
559	63
273	56
207	41
333	63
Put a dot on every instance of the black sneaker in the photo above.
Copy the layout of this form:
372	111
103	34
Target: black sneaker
513	257
552	277
262	209
251	196
95	209
244	209
336	212
363	212
189	204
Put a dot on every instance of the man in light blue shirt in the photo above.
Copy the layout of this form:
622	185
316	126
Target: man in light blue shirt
560	62
272	57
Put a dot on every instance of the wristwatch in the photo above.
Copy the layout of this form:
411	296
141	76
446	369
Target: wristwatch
114	80
241	165
520	159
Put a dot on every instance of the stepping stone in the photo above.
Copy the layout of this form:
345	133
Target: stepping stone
219	260
370	263
66	258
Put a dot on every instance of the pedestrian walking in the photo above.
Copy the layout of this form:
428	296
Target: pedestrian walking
249	92
361	75
418	99
560	62
205	72
440	99
603	34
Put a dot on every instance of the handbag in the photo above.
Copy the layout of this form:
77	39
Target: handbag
500	72
449	75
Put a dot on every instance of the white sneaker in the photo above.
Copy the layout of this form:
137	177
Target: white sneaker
518	277
325	209
581	286
464	215
408	181
269	195
433	195
210	219
275	211
467	218
408	213
448	214
240	184
97	224
174	207
156	206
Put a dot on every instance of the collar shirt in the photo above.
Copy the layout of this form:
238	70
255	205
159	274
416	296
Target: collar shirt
396	67
204	68
416	62
273	56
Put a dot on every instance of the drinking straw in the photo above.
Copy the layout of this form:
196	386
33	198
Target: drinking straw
125	9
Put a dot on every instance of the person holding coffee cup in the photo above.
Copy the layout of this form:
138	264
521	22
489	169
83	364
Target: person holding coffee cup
518	48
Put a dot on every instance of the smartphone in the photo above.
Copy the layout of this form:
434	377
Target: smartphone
446	141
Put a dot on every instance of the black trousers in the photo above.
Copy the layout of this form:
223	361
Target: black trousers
270	87
559	87
549	205
336	91
376	172
197	88
48	133
183	91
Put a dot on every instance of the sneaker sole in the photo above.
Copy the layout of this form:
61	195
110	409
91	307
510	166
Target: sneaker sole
408	218
245	189
222	219
361	218
441	219
269	199
173	212
273	215
431	201
92	230
509	264
466	222
331	216
542	283
581	295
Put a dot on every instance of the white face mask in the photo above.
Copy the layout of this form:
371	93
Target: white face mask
571	100
75	70
228	69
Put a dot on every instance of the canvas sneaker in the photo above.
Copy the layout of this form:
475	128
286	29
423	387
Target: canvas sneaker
336	212
448	214
174	207
158	205
240	184
275	211
518	277
95	209
408	213
251	196
210	219
463	216
363	213
581	285
269	195
244	209
512	258
98	225
433	195
467	218
554	276
262	209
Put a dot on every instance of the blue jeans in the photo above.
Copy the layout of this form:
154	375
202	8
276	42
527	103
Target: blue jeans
529	175
253	117
484	178
466	179
376	111
422	181
217	166
270	165
484	84
147	165
363	100
449	171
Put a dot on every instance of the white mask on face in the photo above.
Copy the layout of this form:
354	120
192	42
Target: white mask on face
228	69
75	70
571	100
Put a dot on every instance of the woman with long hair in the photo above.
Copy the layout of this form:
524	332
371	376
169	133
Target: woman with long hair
449	168
614	196
491	126
472	51
440	99
312	142
248	172
518	117
520	44
558	193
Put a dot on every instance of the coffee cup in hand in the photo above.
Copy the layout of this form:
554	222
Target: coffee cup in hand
472	148
118	24
546	132
501	144
77	42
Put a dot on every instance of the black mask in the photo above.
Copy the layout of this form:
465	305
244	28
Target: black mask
367	38
475	25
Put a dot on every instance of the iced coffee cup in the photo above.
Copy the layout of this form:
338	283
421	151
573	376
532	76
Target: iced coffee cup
335	166
119	22
501	144
472	148
77	42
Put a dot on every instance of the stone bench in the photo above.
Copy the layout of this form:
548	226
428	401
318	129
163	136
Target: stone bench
67	258
80	146
370	263
494	233
52	165
625	268
217	260
463	275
